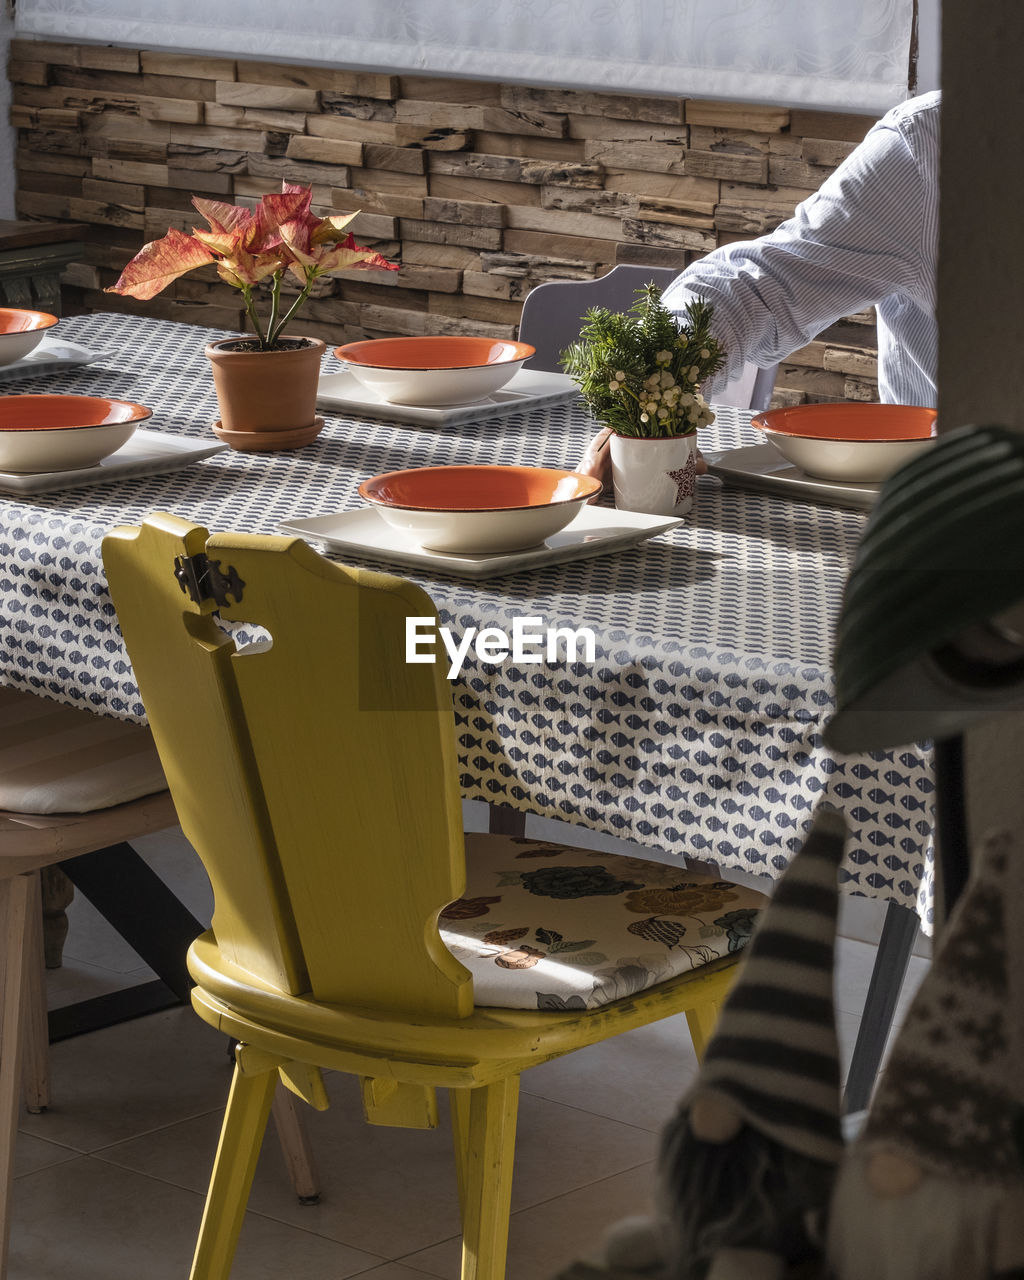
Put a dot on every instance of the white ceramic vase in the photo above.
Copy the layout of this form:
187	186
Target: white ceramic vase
656	476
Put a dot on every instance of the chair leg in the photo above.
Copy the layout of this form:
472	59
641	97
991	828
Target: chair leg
245	1121
290	1123
486	1156
58	894
35	1062
899	933
459	1103
701	1022
19	899
129	893
502	821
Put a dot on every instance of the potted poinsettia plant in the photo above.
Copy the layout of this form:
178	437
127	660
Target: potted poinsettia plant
265	381
640	374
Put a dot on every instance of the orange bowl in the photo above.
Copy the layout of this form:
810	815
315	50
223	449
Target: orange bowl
851	443
479	510
61	433
434	370
21	331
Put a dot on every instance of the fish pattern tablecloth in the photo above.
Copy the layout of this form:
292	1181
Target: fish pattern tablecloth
698	728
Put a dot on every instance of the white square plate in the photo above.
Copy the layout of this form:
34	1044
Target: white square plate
761	467
51	356
594	531
147	453
527	389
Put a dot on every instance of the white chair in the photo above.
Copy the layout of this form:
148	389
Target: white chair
74	789
553	313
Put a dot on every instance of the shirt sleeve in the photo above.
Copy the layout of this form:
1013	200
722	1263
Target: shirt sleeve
857	240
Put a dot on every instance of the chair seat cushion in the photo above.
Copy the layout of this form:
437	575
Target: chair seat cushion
550	926
58	759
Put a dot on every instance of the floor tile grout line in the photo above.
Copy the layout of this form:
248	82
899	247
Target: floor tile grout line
255	1213
271	1217
51	1164
587	1186
201	1196
598	1115
287	1194
51	1142
132	1137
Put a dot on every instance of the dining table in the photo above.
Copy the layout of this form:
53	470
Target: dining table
696	730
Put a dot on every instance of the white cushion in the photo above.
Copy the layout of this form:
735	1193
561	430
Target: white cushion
549	926
58	759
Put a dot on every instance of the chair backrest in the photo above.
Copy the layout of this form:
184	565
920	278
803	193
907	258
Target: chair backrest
315	772
751	389
553	312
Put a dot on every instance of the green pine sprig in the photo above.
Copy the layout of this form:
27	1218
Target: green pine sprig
640	371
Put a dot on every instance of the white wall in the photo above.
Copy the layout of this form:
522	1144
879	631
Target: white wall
6	132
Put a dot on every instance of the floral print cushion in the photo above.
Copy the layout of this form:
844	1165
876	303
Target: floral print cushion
549	926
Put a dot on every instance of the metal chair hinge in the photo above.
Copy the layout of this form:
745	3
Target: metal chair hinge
202	579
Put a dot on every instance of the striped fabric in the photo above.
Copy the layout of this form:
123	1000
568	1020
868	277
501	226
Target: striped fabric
774	1055
868	237
57	759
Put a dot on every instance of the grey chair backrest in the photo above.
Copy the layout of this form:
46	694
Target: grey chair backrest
751	389
553	313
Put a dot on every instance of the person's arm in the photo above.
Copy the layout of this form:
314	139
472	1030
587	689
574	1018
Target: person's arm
863	236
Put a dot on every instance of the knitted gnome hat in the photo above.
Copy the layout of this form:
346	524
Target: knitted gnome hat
774	1055
951	1095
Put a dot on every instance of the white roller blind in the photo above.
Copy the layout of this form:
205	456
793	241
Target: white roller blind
834	54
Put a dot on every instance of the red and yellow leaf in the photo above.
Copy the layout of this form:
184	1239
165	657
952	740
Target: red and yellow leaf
223	243
349	256
295	236
331	228
225	218
244	269
275	210
159	263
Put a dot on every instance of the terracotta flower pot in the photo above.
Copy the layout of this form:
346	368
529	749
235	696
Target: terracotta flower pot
657	476
267	399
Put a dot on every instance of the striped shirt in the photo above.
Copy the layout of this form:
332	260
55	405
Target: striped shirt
868	237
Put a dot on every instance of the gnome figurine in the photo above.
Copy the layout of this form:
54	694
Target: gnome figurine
748	1161
933	1187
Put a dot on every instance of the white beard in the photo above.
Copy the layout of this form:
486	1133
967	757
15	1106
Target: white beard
945	1229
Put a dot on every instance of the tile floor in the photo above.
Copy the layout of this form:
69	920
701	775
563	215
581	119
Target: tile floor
110	1180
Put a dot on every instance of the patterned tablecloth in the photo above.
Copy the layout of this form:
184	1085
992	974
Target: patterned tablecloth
698	728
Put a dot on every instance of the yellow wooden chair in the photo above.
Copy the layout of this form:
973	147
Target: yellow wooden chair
315	772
